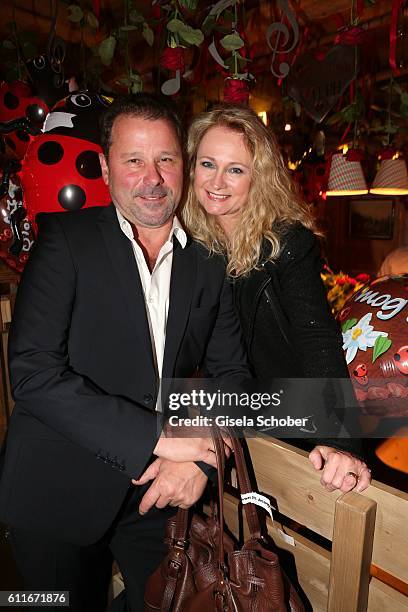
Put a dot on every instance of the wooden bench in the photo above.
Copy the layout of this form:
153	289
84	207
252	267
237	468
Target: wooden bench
367	567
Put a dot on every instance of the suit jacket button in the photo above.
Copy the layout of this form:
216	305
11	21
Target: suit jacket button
148	398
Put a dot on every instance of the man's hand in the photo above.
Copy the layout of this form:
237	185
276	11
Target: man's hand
340	470
182	448
175	484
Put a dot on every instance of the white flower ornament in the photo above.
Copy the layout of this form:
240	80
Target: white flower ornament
360	336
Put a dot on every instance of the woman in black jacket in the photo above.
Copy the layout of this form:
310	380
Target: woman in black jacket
242	203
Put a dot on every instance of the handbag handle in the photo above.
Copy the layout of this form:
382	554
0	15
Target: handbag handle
244	486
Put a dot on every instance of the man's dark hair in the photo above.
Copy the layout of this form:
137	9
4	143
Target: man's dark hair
145	106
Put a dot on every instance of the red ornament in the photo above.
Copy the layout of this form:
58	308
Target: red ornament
354	35
375	332
173	59
362	278
355	155
236	90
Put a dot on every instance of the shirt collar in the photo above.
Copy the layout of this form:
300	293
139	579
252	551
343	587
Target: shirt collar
176	229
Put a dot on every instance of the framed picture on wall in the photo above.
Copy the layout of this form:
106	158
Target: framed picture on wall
372	219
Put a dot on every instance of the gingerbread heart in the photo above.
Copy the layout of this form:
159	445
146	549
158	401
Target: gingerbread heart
318	84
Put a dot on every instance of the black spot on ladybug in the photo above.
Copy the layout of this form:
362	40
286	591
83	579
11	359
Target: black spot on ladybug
22	135
88	166
35	113
397	357
50	152
10	100
10	143
71	197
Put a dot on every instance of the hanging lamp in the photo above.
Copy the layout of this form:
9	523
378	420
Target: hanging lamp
346	175
392	176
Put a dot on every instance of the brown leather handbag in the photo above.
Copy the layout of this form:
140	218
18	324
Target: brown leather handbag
204	571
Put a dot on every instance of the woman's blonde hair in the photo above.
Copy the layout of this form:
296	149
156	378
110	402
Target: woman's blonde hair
273	202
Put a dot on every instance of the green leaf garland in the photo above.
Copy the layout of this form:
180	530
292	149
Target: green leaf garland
107	49
75	13
232	42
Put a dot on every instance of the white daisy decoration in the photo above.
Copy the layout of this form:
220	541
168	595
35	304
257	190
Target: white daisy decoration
360	337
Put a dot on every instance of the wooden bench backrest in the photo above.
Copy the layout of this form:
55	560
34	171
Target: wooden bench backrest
368	532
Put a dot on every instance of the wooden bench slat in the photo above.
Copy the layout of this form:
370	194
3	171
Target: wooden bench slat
353	534
285	473
383	598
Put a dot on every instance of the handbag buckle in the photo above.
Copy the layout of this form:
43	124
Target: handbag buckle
178	548
221	599
179	545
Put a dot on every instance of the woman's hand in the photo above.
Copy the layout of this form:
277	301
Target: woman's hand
340	470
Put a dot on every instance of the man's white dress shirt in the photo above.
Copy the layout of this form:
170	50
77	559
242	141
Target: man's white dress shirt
156	285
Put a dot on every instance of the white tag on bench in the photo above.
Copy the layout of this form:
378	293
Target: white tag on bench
259	500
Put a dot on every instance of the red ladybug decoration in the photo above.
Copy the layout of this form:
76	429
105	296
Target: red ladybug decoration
360	374
62	173
61	169
375	332
21	116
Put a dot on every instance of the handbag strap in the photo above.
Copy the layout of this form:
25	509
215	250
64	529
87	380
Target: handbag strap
243	483
220	457
244	486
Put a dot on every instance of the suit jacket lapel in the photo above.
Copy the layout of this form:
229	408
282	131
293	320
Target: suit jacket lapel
183	275
124	265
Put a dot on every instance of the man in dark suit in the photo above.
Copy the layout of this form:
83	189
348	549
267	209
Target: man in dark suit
111	300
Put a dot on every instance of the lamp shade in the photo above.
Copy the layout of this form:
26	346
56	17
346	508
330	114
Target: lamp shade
346	177
391	178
